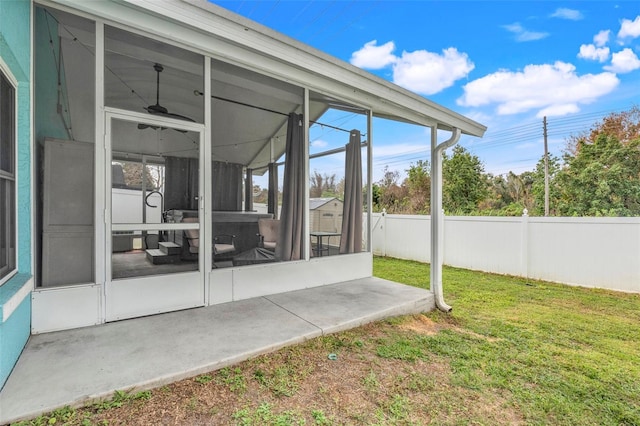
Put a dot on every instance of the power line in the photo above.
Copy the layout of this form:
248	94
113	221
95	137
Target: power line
270	11
318	16
353	21
306	6
532	131
528	132
332	20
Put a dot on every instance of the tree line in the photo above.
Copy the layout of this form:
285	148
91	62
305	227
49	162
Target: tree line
597	175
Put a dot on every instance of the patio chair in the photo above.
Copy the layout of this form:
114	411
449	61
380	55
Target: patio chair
268	233
223	244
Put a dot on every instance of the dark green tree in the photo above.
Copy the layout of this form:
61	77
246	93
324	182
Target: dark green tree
375	196
464	182
322	185
391	196
260	195
508	195
418	185
537	187
498	194
134	173
624	126
602	179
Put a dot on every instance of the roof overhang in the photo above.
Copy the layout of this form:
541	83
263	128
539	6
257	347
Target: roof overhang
214	31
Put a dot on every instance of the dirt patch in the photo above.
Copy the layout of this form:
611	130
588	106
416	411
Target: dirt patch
422	325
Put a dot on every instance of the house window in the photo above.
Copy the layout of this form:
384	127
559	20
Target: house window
7	178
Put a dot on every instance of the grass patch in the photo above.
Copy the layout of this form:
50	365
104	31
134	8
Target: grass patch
203	379
402	347
233	378
563	355
264	415
120	399
62	416
513	351
282	381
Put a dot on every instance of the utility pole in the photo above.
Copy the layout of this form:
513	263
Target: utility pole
546	168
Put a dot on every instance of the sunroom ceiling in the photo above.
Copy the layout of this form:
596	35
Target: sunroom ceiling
235	40
249	110
249	115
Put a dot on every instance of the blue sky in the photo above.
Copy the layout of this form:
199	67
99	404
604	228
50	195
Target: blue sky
505	64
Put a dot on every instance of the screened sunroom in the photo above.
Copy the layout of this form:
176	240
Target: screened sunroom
173	151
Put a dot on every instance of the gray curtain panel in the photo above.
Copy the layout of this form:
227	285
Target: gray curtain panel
272	201
181	183
227	186
290	238
351	239
248	191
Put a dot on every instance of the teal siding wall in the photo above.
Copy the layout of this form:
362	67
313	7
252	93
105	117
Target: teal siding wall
13	335
14	32
15	50
15	331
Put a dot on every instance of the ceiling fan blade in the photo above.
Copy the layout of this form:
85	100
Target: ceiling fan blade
142	126
169	115
158	109
179	117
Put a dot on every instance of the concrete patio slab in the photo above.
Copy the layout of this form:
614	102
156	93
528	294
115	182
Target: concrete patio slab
77	366
356	303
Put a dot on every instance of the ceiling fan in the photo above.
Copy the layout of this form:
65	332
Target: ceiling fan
158	109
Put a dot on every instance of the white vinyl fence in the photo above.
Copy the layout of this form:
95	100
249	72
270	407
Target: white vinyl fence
590	252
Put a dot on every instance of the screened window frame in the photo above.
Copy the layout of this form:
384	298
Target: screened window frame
8	118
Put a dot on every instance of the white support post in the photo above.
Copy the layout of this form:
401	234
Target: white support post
307	240
206	154
369	181
102	218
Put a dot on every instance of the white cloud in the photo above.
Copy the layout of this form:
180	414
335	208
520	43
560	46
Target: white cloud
589	51
480	117
419	71
550	89
564	13
629	28
601	38
372	56
428	73
623	62
523	34
319	143
559	110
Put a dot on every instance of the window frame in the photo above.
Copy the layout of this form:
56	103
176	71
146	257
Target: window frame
9	178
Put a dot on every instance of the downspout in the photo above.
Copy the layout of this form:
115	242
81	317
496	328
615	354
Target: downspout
437	214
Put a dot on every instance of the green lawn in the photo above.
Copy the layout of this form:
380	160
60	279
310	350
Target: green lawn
563	355
512	351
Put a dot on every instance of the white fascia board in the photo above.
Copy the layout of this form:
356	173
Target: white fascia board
388	93
214	31
387	100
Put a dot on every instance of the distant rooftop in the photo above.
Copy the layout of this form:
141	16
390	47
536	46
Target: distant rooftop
315	203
